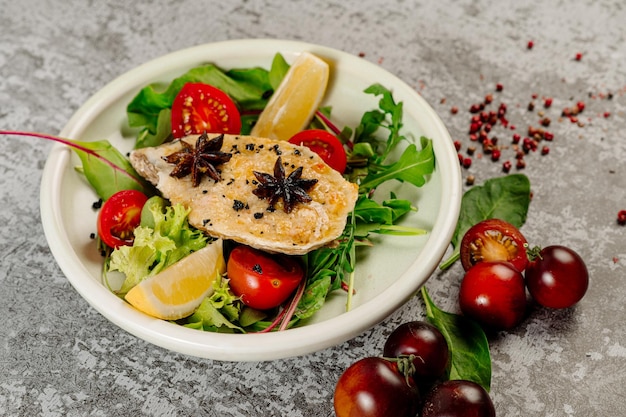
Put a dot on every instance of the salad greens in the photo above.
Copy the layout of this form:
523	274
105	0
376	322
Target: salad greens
164	235
163	238
250	88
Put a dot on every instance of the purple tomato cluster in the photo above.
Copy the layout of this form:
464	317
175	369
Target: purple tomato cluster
500	267
409	380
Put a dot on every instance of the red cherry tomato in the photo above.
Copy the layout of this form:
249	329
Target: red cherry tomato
119	216
493	294
200	108
325	144
373	387
493	240
557	278
262	280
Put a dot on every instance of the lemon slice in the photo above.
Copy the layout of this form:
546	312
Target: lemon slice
178	290
293	104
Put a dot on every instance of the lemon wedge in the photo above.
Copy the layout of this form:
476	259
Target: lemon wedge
178	290
293	104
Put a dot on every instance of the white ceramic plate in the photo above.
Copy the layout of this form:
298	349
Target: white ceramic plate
387	275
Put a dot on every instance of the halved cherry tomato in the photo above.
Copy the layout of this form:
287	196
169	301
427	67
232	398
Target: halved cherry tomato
119	216
325	144
262	280
200	108
494	240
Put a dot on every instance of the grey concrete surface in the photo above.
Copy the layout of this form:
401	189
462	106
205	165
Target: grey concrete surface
59	357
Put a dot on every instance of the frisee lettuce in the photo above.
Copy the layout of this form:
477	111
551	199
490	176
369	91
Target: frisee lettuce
163	238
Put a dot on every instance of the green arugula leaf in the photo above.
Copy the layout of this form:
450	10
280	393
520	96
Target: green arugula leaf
506	198
414	166
467	342
388	116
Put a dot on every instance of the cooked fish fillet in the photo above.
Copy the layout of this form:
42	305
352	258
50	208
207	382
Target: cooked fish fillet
229	209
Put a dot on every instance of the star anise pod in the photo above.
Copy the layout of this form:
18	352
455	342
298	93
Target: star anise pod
199	160
292	189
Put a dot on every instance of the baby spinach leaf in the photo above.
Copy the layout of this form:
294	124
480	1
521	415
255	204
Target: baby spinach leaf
469	348
278	71
506	198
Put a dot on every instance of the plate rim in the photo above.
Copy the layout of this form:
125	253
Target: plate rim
194	342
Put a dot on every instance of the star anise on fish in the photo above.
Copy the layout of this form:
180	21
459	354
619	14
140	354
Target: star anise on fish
203	159
292	189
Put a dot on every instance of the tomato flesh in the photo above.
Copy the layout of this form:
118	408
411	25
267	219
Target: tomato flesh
200	108
557	278
373	387
119	216
325	144
262	280
493	294
493	240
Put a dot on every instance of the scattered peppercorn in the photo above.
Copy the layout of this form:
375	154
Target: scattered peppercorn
621	218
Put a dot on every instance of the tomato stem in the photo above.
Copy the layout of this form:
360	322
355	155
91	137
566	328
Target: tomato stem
533	253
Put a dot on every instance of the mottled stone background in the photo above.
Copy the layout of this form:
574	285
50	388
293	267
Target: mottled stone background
59	357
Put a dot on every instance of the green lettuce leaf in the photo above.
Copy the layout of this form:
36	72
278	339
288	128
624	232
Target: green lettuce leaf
170	239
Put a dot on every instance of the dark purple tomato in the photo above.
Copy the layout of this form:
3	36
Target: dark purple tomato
373	387
458	399
557	278
493	294
425	342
